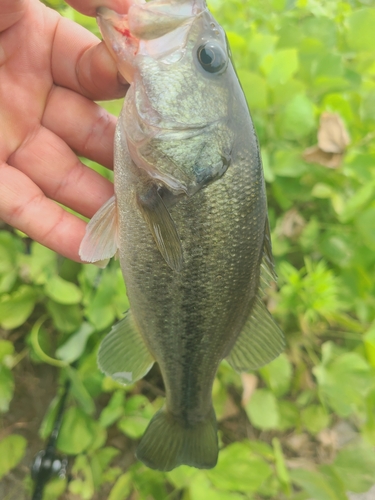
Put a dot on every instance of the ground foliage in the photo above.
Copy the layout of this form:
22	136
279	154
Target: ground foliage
302	427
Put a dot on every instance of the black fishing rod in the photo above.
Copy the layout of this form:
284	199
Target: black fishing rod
48	463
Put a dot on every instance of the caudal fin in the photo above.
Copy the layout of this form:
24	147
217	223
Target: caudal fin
168	443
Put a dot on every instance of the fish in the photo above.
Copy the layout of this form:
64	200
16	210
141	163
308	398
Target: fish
188	222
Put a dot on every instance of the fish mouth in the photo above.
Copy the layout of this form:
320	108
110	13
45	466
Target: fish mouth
155	28
157	18
122	45
142	22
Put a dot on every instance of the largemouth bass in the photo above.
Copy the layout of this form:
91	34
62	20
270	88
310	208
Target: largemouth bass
188	221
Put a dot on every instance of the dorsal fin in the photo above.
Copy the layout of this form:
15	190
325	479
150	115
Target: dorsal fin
261	339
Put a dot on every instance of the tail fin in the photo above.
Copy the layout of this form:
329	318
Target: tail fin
168	443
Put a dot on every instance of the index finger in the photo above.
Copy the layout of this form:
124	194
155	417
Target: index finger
82	63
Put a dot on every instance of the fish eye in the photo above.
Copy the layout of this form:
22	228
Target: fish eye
211	57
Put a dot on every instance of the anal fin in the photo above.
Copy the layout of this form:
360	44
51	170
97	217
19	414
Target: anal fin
123	355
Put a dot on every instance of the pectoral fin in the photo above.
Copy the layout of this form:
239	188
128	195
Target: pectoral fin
100	241
162	227
123	355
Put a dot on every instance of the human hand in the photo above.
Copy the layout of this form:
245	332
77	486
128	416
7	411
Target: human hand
51	70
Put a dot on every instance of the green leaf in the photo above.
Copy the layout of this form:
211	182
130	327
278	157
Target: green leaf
17	307
338	248
122	488
182	477
111	474
365	226
358	202
355	464
262	44
201	489
138	412
238	469
255	89
77	432
39	339
102	309
280	66
321	190
101	317
369	342
368	106
54	489
76	343
268	173
315	418
7	281
281	469
262	410
236	41
114	409
344	382
320	28
149	484
79	391
328	65
40	265
106	455
99	439
65	318
316	485
263	449
49	418
288	163
278	375
297	119
6	351
289	415
12	450
83	484
283	93
361	29
6	388
91	375
9	249
62	291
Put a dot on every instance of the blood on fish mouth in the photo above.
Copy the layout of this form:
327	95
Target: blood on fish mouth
124	31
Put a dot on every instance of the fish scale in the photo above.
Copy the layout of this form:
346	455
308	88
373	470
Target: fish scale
191	227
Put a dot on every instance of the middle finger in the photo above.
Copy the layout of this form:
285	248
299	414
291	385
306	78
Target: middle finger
51	164
85	126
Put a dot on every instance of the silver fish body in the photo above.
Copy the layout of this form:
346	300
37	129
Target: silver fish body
190	224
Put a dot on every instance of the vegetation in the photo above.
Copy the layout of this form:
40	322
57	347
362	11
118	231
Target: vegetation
300	428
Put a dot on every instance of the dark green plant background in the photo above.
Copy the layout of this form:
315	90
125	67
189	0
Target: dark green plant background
301	428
